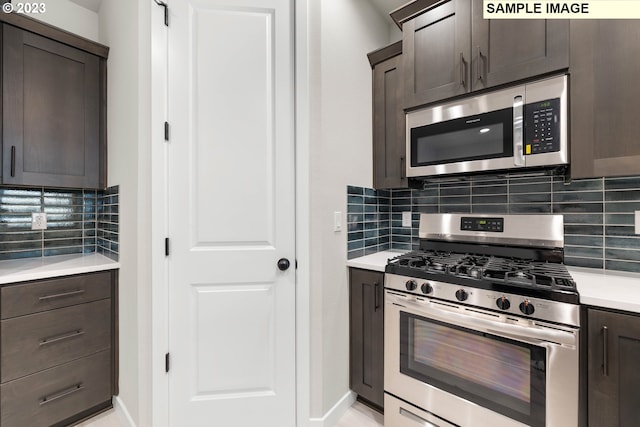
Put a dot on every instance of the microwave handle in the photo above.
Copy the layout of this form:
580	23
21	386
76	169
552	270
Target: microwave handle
518	121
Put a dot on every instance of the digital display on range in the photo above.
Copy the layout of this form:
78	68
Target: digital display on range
494	225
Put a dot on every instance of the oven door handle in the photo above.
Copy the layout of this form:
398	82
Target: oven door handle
521	333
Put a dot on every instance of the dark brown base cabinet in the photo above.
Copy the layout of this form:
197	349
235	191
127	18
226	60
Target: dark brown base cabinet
613	370
58	348
366	335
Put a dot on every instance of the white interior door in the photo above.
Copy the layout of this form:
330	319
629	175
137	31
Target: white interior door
231	213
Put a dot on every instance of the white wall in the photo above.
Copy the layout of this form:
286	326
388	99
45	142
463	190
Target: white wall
70	17
121	27
342	32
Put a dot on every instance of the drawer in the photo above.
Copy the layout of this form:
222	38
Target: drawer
39	341
34	297
56	394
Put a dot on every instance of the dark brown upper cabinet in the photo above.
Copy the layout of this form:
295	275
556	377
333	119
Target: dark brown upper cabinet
613	375
53	109
508	50
389	163
436	50
450	50
605	61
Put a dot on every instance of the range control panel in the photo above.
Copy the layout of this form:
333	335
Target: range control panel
494	225
542	127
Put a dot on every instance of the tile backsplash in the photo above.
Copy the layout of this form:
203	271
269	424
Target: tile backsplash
598	213
77	222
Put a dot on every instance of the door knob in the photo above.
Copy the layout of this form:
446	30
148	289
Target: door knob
283	264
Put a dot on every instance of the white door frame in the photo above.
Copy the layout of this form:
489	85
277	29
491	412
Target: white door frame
159	218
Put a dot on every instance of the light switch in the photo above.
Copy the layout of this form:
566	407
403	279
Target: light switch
337	221
637	222
406	219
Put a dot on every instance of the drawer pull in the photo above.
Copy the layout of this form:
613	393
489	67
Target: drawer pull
62	295
59	338
63	393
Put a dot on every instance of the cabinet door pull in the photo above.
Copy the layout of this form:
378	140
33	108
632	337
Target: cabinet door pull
63	337
64	294
13	160
463	67
66	392
403	172
376	298
605	351
478	67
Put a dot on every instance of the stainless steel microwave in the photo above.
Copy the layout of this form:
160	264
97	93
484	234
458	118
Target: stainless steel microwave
517	127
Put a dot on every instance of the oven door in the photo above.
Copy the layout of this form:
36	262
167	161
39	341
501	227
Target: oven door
478	368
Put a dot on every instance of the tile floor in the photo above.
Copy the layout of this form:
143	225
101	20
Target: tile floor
358	415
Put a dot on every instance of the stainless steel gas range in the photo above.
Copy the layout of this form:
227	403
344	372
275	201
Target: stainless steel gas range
482	325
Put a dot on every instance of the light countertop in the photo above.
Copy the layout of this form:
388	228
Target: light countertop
22	270
600	288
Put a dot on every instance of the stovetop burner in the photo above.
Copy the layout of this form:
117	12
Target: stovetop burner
495	269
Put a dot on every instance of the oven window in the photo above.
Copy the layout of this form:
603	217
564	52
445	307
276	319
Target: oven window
485	136
503	375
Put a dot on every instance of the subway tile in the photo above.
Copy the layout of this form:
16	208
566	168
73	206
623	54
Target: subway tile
427	208
20	237
357	244
20	255
488	189
403	246
401	194
488	199
584	262
622	254
455	209
370	233
19	209
620	219
455	200
622	207
455	191
371	250
63	251
577	207
530	198
579	185
355	209
10	196
580	197
530	208
384	193
370	200
425	200
622	242
620	230
590	230
354	200
355	253
355	190
594	241
622	196
529	188
369	192
622	183
491	209
358	235
20	246
630	266
582	252
580	218
401	201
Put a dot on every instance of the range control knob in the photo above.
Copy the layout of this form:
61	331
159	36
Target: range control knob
411	285
503	303
426	288
461	295
526	307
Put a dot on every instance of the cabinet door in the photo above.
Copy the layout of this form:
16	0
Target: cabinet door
389	145
50	112
436	49
605	61
366	327
614	377
507	50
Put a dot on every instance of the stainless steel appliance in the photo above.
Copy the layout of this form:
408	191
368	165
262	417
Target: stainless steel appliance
518	127
482	325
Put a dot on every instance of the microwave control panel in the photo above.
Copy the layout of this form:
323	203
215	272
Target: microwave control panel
542	127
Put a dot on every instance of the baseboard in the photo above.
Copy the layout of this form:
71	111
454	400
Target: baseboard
334	414
122	412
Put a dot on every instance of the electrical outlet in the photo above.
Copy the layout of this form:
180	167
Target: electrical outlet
637	222
38	221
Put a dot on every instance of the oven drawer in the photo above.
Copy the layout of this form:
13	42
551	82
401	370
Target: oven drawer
56	394
38	341
34	297
401	414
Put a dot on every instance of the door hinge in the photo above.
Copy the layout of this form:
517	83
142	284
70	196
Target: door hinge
166	11
166	246
166	131
166	362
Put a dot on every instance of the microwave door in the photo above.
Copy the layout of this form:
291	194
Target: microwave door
480	142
